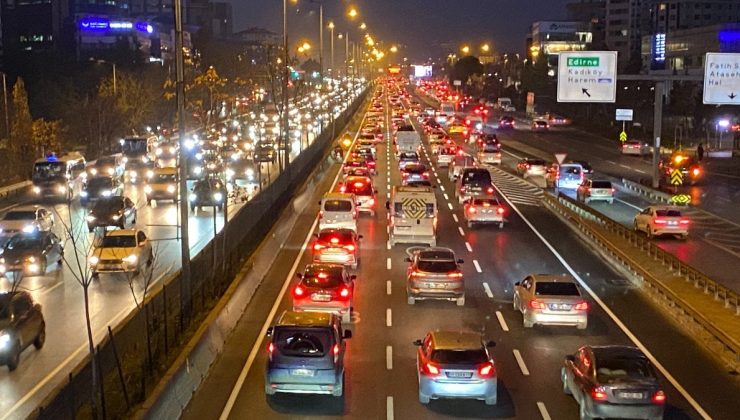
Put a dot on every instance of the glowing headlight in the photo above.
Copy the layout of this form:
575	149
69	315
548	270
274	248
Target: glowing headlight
133	174
111	171
148	189
172	150
149	174
83	193
28	228
106	193
62	189
189	144
235	156
229	173
93	171
33	268
31	259
197	170
250	172
192	197
115	217
37	190
90	218
170	188
131	259
218	196
93	260
144	159
5	340
125	159
158	151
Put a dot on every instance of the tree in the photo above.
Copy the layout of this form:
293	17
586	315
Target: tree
47	135
21	128
464	68
209	87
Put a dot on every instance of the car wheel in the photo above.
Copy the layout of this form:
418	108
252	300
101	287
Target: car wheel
410	300
339	390
90	229
491	400
40	338
528	324
582	326
460	301
563	378
423	398
470	224
15	357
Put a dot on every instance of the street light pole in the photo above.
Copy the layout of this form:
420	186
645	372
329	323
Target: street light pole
5	101
321	44
331	30
286	75
346	54
115	84
185	290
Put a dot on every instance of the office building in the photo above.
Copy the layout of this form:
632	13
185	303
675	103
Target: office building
548	38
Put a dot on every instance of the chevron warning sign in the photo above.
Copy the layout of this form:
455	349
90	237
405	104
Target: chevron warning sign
676	177
414	208
623	136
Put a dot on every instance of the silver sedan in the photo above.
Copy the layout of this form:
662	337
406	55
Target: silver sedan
550	300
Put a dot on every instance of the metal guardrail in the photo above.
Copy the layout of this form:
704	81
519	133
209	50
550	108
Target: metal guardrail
646	191
583	216
14	189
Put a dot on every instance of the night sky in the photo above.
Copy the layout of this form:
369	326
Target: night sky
419	24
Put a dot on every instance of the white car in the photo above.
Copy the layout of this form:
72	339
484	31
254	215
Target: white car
26	219
662	220
635	147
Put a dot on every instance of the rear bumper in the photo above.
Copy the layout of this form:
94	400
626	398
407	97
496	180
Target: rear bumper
477	390
345	259
631	411
423	293
484	218
338	225
280	380
669	231
567	319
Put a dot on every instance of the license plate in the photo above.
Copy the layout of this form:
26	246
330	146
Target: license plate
436	285
459	374
301	372
560	306
672	223
320	298
631	395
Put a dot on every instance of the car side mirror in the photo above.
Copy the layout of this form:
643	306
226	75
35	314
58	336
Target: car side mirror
347	334
407	259
517	283
299	275
353	277
417	343
460	261
570	358
359	236
268	333
375	191
490	343
387	205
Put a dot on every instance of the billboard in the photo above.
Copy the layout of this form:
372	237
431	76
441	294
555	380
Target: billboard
422	71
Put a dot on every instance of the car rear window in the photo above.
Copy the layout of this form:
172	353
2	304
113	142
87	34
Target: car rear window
337	205
601	184
436	266
490	147
536	162
459	356
477	176
668	213
344	236
408	156
556	289
360	188
609	369
485	202
20	215
302	342
573	170
325	277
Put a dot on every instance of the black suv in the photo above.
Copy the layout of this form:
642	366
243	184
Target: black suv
207	192
112	211
100	187
21	324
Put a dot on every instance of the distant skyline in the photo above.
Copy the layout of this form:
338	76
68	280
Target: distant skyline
421	25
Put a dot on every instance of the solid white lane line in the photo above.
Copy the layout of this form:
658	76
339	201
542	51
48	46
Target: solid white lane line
468	246
454	216
640	171
611	314
502	321
447	197
520	362
629	204
625	166
388	287
388	263
449	205
543	411
487	288
388	317
477	266
389	408
460	229
389	357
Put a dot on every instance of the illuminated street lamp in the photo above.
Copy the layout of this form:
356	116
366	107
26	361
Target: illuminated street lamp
363	26
485	48
331	31
394	49
465	49
352	12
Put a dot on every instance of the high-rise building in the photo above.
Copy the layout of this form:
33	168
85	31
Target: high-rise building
548	38
625	24
594	13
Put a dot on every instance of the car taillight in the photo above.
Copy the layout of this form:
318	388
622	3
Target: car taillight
344	292
417	274
659	397
350	248
335	350
684	221
536	304
342	189
598	393
486	370
472	210
318	247
490	190
460	153
371	202
500	210
660	221
270	350
695	171
581	306
404	174
430	369
334	241
425	174
455	275
321	214
298	291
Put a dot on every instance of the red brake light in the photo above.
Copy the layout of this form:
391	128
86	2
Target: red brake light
350	248
323	275
318	247
426	174
581	306
598	393
500	210
342	189
335	350
270	350
695	171
536	304
359	184
490	190
416	274
660	221
659	397
344	293
472	210
298	291
430	369
455	275
486	370
684	221
334	241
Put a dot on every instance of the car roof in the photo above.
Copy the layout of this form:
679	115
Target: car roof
456	340
552	278
436	254
305	319
30	207
121	232
337	196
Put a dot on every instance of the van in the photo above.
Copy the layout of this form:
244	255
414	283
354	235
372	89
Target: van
473	182
306	354
338	211
565	176
413	215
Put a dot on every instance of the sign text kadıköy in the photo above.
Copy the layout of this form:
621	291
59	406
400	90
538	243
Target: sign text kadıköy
587	76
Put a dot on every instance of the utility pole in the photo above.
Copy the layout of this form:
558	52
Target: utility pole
5	101
185	286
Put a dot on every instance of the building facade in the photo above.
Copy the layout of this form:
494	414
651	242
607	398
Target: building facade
549	38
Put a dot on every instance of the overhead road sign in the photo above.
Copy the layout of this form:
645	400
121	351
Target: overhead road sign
676	177
624	114
457	82
587	76
623	136
722	79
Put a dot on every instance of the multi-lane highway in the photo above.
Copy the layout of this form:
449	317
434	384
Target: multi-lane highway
111	296
381	379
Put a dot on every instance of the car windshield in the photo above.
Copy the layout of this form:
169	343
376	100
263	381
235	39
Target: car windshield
415	169
556	289
609	369
536	162
105	161
485	202
573	170
479	176
164	178
668	213
100	182
118	241
490	147
434	266
302	342
601	184
408	156
337	205
23	242
20	215
476	356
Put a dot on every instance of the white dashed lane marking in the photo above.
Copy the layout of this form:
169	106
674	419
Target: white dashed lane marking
468	246
502	321
388	287
520	362
477	266
454	216
388	318
388	263
462	232
543	410
487	289
389	357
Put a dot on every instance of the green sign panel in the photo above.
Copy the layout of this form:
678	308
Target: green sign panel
583	61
